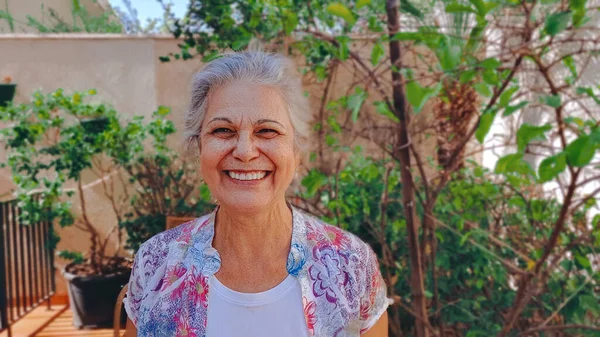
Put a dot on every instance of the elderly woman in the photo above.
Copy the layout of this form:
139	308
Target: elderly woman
255	266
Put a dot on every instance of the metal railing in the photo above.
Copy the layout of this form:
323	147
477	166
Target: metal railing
26	266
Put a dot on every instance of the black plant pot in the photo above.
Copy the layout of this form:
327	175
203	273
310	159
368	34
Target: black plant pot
7	93
95	126
93	298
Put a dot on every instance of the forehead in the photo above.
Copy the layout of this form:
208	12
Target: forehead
242	99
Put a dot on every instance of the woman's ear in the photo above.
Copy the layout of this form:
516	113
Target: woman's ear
298	158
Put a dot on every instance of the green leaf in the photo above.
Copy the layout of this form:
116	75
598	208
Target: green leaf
417	96
483	89
528	133
489	6
163	110
362	3
448	52
579	11
512	108
552	166
355	102
485	124
344	52
480	6
382	108
407	7
467	76
490	77
76	5
290	21
240	43
589	92
557	22
490	63
569	62
407	36
335	126
377	53
213	55
575	120
313	181
589	302
475	37
75	257
340	10
582	260
330	140
551	100
507	95
456	7
464	238
205	192
513	163
581	151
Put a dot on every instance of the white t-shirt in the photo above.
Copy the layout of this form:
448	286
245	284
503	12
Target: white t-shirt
277	312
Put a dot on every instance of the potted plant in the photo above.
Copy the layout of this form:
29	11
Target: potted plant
7	91
49	150
169	193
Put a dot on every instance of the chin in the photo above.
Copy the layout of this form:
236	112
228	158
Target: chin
245	203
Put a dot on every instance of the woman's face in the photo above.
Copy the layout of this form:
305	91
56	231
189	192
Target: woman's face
247	155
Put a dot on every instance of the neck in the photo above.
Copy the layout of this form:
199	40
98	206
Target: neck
265	233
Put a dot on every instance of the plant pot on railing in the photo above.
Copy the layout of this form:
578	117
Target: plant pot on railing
92	298
94	125
7	93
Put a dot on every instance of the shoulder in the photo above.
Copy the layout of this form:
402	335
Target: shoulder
153	253
323	236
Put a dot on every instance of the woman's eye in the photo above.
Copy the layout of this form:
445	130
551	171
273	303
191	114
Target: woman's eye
222	130
268	132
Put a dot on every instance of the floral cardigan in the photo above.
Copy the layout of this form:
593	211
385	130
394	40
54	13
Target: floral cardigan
343	292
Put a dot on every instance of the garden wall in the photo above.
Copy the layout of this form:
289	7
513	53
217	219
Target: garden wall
38	9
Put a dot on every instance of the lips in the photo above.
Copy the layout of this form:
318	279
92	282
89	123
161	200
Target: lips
247	175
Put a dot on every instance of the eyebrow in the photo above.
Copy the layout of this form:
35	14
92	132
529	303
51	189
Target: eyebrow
260	121
220	119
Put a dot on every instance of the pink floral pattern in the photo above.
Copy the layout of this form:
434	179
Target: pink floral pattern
172	275
198	285
183	328
343	293
310	309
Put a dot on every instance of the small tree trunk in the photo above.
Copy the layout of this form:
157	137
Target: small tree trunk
402	152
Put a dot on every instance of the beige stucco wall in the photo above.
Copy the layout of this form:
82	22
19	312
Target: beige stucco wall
126	72
39	9
123	69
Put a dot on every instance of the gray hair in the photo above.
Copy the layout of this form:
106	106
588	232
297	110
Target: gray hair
256	67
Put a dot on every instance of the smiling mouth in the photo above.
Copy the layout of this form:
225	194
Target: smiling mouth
246	176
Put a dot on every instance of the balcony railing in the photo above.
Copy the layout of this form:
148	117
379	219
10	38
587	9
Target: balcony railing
26	266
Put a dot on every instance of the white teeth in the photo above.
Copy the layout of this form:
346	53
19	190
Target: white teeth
247	176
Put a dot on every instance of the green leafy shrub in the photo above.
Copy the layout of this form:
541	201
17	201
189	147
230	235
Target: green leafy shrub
54	140
488	235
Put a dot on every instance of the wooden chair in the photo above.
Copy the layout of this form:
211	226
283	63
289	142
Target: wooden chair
172	222
117	314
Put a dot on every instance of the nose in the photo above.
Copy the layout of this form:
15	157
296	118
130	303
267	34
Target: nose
245	150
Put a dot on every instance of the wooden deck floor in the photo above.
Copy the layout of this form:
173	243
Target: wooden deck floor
57	322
